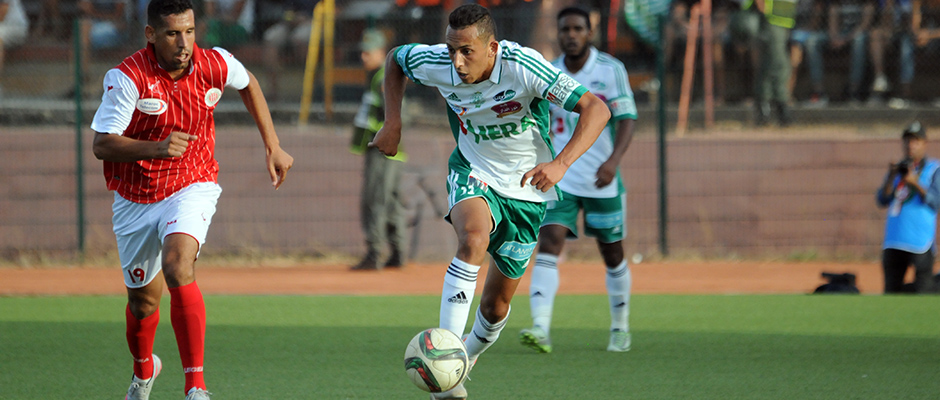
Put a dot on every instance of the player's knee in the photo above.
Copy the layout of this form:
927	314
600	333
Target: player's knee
494	311
474	242
142	306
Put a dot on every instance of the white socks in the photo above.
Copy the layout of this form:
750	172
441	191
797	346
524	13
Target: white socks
542	290
457	294
618	290
483	334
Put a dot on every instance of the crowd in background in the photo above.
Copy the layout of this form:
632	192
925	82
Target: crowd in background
864	53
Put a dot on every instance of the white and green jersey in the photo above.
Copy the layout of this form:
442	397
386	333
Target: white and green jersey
606	77
501	125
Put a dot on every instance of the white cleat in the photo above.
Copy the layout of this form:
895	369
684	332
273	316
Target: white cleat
140	388
197	394
535	338
457	393
619	341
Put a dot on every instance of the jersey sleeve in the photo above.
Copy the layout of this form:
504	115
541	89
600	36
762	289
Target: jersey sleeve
237	74
544	79
419	60
117	104
623	106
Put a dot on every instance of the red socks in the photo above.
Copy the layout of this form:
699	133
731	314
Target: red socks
188	313
140	336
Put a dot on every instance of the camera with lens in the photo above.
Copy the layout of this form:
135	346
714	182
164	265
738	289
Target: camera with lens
904	167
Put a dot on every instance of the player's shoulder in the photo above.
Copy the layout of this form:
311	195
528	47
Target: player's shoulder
416	52
609	61
524	60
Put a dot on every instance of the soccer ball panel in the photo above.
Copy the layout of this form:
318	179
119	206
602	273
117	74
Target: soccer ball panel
436	360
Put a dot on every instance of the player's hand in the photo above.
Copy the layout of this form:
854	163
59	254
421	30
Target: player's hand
386	140
605	174
174	145
279	162
544	175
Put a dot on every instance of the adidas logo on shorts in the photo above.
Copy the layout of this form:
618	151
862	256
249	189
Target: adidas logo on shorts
459	298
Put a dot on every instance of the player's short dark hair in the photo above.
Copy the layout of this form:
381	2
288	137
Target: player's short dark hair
473	15
575	10
157	9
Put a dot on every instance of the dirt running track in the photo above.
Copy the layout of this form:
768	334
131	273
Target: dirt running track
576	278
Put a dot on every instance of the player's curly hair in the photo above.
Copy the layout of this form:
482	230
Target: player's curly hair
157	9
575	10
473	15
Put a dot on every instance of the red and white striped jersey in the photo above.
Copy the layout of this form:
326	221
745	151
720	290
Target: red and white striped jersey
142	102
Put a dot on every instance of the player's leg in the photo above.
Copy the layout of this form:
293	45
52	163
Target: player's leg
605	220
544	283
472	222
492	313
189	214
511	245
560	222
139	251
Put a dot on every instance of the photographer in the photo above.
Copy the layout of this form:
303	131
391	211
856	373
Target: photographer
911	193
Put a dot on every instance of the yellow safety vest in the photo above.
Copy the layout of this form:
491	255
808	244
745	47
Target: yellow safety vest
781	13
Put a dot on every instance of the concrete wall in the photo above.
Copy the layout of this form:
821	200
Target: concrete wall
768	196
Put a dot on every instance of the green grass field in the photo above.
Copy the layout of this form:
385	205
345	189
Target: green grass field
339	347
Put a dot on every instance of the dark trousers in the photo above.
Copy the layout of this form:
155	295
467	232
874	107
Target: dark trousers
895	263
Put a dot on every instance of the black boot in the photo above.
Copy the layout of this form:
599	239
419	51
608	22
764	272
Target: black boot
369	263
783	114
395	259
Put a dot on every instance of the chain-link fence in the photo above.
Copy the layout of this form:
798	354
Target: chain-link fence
732	186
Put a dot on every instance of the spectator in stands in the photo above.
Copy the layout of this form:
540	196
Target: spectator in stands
676	33
894	25
14	28
228	23
849	22
46	18
289	36
745	45
911	193
809	32
775	18
104	25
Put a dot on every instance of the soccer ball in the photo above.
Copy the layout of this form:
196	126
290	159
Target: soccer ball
436	360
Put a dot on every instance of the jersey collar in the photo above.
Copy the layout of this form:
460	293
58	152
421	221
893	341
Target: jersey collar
494	76
589	65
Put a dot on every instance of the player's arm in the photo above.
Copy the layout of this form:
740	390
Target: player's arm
113	117
594	115
117	148
387	139
277	160
622	139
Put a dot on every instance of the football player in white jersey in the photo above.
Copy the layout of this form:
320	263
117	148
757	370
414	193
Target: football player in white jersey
502	171
592	184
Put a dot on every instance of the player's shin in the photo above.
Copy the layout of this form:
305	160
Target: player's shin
542	290
188	314
483	334
460	282
140	338
618	291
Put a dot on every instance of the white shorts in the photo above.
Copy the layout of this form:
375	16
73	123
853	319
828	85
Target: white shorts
141	228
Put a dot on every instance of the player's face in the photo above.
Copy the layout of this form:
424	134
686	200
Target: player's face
574	35
473	57
173	41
